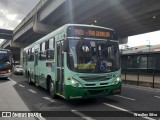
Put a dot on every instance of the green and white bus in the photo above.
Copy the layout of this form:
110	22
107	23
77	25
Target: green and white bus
75	61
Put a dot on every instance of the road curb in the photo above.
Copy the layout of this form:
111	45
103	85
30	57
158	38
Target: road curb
142	87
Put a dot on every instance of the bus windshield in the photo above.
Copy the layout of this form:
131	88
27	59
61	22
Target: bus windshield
4	57
93	56
5	60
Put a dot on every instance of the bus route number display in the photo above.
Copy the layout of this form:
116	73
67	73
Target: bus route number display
1	51
89	32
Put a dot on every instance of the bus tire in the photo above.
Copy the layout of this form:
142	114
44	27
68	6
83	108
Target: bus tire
52	90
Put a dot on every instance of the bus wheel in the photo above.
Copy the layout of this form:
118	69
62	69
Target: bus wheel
52	90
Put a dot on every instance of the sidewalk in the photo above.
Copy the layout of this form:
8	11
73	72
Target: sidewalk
144	78
10	101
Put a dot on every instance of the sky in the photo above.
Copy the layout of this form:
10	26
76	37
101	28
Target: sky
12	13
151	38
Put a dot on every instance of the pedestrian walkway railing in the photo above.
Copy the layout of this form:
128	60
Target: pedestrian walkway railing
141	77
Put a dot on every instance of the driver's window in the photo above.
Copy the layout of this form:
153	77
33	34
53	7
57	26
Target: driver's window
84	51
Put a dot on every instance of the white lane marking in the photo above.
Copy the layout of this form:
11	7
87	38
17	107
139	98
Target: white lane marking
41	118
125	97
82	115
117	107
147	89
157	96
21	85
49	99
12	80
125	110
32	91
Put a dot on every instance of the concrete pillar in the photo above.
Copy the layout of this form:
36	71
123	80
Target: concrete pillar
21	56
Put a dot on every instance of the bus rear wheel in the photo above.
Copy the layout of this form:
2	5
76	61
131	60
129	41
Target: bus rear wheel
52	90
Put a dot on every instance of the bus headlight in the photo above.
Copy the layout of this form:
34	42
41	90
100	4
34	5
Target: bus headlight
8	71
116	81
75	83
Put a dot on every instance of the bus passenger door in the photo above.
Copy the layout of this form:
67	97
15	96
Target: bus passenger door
60	68
36	67
25	64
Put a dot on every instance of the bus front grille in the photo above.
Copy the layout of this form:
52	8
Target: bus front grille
94	78
90	84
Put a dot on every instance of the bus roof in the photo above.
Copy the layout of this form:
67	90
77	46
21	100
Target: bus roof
4	50
63	29
85	25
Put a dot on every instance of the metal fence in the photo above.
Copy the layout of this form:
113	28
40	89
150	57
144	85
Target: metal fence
141	77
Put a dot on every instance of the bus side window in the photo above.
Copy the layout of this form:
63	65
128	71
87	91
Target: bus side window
32	54
43	51
46	48
29	54
24	56
50	51
39	52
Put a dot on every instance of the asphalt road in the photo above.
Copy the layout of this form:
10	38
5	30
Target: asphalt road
17	95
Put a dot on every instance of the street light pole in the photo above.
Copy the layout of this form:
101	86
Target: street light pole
149	45
148	55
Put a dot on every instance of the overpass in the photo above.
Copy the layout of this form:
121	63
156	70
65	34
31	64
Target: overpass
126	17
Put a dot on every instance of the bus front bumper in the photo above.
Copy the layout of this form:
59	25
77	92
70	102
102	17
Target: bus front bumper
84	93
6	75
